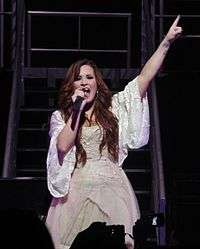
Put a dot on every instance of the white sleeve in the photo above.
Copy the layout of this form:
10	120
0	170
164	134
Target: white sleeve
58	176
133	114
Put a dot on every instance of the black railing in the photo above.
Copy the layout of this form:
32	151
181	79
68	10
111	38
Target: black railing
3	13
16	95
79	48
158	184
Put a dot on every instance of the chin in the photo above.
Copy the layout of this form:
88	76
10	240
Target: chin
91	99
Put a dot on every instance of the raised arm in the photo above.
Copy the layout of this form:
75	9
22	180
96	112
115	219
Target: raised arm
153	65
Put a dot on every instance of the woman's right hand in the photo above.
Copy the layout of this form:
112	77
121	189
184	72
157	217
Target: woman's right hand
81	93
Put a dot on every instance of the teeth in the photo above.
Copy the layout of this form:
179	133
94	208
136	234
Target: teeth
87	90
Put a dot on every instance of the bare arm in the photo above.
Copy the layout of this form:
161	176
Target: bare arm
153	65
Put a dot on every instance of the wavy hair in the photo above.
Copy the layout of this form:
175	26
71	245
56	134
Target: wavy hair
102	110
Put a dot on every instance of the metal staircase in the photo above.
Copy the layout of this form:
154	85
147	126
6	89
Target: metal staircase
36	98
176	99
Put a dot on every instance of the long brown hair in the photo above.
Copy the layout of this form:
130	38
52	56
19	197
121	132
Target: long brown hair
103	115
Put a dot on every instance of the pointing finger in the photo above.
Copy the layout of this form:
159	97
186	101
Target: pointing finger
176	21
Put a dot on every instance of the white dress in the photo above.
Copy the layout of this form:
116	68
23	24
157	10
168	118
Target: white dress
100	190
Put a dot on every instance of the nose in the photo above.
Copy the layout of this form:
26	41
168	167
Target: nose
83	83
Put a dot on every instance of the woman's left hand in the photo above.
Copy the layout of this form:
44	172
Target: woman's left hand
174	31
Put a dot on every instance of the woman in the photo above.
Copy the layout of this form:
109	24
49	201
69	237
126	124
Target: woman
89	144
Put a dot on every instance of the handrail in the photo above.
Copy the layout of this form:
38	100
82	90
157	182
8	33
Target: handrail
31	49
3	13
159	172
60	13
1	33
158	185
10	148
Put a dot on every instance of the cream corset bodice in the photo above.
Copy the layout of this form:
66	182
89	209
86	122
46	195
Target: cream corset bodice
91	138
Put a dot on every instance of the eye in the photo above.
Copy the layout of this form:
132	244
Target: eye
90	77
78	78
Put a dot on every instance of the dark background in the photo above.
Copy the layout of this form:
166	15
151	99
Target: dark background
176	85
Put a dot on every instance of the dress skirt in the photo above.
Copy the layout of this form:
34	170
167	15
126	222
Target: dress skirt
99	191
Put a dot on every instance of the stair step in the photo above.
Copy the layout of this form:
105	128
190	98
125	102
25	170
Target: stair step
32	150
35	118
40	99
30	168
187	199
140	157
34	129
140	180
32	138
137	170
37	109
31	157
31	172
188	187
45	91
35	83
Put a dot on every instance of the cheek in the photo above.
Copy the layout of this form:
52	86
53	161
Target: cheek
94	85
76	85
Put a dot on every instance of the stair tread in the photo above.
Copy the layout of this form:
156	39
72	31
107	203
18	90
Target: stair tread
23	178
37	109
33	129
32	169
32	149
135	170
46	90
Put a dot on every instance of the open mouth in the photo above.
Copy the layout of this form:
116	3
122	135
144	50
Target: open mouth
86	91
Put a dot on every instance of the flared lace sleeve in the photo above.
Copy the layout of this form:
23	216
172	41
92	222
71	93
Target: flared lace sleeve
133	114
58	176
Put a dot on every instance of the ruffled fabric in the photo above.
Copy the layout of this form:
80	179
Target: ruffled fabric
133	115
58	176
99	191
132	112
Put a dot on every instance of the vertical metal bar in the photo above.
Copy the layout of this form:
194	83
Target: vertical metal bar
13	33
161	231
153	24
29	40
128	62
79	32
23	40
143	33
161	23
22	57
1	34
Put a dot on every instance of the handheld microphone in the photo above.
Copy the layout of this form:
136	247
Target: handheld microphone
77	103
75	109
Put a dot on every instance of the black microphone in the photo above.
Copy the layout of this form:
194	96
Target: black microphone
75	110
77	103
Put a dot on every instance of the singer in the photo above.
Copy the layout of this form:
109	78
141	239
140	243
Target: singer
90	137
